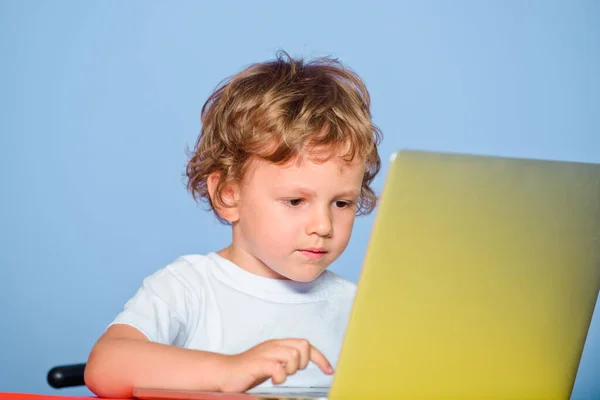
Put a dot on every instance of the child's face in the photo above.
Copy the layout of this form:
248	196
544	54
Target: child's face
295	220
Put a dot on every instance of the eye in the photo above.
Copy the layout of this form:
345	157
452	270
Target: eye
294	202
342	204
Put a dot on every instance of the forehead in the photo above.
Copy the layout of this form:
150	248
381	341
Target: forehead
304	170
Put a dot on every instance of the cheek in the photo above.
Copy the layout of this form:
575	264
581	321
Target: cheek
282	229
344	227
270	225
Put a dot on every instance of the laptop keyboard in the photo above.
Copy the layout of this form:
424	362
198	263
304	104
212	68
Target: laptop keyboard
298	394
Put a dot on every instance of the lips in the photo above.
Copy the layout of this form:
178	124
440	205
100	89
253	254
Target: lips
315	250
313	253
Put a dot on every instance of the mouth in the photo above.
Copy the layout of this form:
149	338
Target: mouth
313	253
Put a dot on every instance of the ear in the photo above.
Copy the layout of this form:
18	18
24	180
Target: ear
227	208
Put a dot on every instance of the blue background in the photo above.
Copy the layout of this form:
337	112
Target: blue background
99	100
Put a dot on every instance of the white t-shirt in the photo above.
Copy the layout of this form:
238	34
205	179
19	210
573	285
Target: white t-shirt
208	303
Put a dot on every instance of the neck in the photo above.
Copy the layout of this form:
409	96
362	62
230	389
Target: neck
248	262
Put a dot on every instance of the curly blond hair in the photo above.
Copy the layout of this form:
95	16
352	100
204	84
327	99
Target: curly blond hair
280	110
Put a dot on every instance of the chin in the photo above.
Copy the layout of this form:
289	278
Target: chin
304	277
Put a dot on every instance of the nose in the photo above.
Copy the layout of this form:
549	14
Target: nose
321	223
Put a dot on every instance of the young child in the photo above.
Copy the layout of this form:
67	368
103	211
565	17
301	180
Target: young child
286	156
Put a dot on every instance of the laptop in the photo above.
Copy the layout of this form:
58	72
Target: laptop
480	281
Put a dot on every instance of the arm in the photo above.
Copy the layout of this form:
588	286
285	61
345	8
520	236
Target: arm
123	358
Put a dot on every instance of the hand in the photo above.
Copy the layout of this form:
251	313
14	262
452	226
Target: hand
275	359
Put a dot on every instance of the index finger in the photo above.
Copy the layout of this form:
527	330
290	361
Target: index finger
320	360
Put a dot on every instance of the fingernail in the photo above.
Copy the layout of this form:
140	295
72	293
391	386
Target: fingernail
330	369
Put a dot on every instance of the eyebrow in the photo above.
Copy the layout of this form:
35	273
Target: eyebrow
296	189
309	192
350	193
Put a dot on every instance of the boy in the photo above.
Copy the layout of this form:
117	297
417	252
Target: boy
286	156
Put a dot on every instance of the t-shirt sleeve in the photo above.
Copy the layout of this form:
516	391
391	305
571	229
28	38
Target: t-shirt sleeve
160	308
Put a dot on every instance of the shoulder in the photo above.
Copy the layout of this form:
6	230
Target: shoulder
167	305
187	273
189	264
